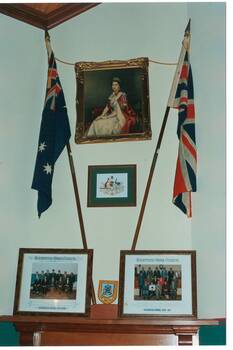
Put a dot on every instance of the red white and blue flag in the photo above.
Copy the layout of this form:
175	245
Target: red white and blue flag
185	176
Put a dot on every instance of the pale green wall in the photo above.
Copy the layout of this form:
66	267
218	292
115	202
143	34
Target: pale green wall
208	224
23	77
109	31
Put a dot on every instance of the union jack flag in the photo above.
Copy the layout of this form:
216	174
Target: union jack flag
185	177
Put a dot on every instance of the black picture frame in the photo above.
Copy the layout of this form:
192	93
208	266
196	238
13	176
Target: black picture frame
112	185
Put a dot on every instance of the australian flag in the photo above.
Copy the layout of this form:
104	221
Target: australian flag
54	134
185	177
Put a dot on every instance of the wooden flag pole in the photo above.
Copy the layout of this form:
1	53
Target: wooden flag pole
78	204
152	168
79	210
185	46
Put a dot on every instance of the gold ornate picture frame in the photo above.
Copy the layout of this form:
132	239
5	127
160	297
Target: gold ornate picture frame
112	101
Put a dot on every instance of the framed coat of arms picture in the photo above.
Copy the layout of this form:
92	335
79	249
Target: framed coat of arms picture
112	185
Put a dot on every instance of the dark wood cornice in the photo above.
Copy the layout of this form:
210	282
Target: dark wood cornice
66	12
42	20
25	14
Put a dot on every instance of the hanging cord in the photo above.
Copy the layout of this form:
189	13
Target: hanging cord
70	64
163	63
152	61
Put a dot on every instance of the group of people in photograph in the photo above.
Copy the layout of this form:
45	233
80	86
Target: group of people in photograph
157	282
45	281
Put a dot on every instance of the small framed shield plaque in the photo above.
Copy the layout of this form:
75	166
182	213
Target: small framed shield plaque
107	292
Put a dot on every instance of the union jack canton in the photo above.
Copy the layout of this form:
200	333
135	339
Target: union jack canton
185	177
54	134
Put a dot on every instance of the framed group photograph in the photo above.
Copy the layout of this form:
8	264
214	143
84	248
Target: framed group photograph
53	282
112	101
111	185
158	283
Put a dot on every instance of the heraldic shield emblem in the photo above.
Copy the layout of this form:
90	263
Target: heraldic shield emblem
107	292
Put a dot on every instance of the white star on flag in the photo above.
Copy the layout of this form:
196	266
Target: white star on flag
42	147
47	169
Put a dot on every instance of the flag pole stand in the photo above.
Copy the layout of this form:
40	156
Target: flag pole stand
78	205
152	168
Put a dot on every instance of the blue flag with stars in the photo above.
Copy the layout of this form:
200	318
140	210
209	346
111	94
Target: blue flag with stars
54	134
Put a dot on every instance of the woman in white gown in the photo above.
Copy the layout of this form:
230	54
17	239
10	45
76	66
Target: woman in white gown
117	117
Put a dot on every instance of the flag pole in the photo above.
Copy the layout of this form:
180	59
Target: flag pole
76	192
79	210
75	186
160	138
152	168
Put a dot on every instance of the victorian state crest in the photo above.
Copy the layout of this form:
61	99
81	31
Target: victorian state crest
107	292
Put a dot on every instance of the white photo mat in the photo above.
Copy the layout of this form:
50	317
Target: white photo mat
132	305
75	263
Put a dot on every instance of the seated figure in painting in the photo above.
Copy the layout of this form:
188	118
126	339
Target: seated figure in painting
118	117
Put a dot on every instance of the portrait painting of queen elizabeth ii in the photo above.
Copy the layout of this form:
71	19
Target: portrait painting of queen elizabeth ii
112	101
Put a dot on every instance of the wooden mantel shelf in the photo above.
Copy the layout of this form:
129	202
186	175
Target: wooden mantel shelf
103	327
